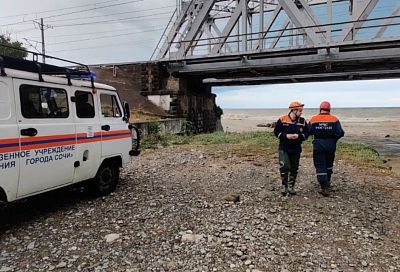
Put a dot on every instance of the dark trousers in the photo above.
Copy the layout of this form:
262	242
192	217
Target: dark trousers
323	162
288	167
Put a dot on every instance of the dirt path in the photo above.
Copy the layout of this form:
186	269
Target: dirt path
168	215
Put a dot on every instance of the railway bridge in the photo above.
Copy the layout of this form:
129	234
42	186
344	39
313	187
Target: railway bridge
240	42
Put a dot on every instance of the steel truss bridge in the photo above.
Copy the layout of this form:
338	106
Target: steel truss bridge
279	41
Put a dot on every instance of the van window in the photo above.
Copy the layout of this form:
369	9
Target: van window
5	103
109	106
84	104
43	102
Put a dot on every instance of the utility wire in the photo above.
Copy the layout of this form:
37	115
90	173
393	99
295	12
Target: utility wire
93	33
108	45
80	11
108	36
52	10
115	20
29	44
74	12
46	11
23	30
112	14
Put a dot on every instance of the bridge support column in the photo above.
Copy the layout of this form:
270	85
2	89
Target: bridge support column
187	97
196	103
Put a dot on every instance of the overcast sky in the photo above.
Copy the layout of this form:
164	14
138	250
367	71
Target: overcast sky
114	31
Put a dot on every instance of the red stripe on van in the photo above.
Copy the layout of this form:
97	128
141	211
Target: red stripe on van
117	138
9	149
117	132
9	141
30	143
48	137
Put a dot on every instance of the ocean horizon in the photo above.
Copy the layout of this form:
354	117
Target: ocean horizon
345	113
311	108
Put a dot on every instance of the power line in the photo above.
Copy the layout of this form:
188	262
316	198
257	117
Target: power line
29	44
52	10
23	30
115	20
108	45
18	23
108	36
74	12
80	11
93	33
112	14
35	41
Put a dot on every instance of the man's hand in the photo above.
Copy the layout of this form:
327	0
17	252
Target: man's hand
292	136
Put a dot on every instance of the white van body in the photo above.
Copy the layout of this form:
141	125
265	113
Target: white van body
54	133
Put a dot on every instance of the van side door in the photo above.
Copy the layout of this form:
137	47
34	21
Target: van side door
87	122
9	140
116	137
47	131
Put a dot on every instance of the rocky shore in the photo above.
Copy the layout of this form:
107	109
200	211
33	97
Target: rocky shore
187	209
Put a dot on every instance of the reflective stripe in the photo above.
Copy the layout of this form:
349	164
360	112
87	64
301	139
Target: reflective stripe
322	174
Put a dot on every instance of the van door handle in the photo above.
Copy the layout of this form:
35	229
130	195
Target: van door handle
29	132
105	127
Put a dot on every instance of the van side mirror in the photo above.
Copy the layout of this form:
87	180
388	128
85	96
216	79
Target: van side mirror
127	111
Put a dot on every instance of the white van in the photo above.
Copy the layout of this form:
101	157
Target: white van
56	131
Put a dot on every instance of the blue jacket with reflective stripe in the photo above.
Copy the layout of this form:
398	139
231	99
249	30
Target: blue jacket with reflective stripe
326	129
285	125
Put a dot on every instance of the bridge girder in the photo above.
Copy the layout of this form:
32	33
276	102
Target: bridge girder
221	39
350	61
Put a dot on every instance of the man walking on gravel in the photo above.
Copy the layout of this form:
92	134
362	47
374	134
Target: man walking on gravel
292	130
327	131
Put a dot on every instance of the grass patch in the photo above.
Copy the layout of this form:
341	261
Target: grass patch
261	144
361	154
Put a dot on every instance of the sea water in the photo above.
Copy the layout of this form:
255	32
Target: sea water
345	114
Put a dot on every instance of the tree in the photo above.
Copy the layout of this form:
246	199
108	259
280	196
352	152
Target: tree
218	111
7	48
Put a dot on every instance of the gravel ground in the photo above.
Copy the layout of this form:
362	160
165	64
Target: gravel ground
176	209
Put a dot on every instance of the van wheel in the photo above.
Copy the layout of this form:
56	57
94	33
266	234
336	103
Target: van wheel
105	180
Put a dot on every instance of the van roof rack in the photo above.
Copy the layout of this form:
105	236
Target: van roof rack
34	66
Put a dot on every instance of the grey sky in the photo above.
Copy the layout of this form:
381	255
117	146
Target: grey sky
131	32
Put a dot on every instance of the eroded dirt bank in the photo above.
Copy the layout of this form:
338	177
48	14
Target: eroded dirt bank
168	214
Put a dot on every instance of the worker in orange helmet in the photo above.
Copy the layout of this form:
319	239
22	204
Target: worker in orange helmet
327	130
292	130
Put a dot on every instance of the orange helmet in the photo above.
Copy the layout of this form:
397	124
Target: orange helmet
325	105
295	105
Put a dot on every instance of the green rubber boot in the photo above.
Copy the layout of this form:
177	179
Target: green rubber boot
291	183
285	190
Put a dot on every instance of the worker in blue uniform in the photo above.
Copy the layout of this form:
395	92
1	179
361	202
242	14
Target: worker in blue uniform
327	130
292	130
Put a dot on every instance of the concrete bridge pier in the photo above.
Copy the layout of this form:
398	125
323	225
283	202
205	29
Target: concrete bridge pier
186	97
195	102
